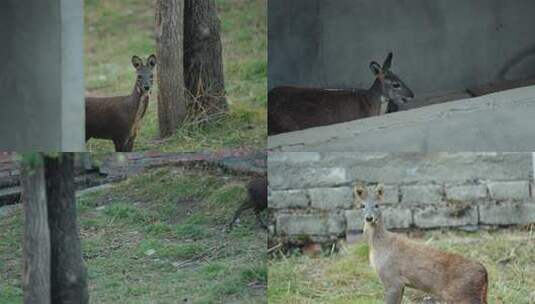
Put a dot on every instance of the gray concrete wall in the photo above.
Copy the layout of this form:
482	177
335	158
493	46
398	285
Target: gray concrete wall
41	79
310	193
438	45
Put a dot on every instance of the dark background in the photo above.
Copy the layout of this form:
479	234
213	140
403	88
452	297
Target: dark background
439	45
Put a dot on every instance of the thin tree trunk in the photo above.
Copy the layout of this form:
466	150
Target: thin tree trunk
203	58
36	273
169	32
68	273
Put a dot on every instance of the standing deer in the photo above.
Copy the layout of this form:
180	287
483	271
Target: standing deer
256	200
296	108
119	118
402	263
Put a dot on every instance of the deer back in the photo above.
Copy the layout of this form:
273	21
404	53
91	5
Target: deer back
294	108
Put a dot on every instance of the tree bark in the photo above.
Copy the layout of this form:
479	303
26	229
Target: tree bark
169	33
203	58
68	273
36	273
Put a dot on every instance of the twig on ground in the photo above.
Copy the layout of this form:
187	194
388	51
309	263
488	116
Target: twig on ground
203	256
270	250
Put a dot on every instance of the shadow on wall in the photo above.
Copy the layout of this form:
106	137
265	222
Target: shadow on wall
518	65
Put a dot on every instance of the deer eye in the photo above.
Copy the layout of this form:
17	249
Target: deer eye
396	85
376	206
362	206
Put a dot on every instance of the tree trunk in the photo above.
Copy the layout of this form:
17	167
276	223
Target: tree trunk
36	273
169	33
203	58
68	273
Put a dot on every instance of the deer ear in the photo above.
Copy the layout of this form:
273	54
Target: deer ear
388	62
376	68
151	61
360	192
137	62
380	192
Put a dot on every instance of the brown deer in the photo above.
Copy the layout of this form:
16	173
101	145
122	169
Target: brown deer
256	200
119	118
297	108
402	263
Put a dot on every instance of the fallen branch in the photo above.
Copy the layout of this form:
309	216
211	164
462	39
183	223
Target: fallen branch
270	250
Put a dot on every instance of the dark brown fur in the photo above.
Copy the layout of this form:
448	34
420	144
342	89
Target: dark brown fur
116	118
256	200
295	108
119	118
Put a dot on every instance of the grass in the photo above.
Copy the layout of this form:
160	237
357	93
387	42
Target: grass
158	238
116	30
346	277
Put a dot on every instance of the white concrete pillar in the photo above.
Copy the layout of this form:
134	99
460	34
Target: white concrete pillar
41	75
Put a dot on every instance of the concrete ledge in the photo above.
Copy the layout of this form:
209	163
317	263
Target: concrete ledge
496	122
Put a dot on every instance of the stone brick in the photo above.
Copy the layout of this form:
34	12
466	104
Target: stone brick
336	223
299	178
507	213
397	217
331	198
435	167
466	193
391	194
301	224
293	157
310	224
433	216
509	190
288	199
354	220
5	173
421	194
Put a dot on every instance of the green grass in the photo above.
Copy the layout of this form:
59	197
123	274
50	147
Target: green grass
116	30
158	238
346	277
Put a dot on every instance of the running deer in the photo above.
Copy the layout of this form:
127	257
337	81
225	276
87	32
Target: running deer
297	108
402	263
119	118
256	200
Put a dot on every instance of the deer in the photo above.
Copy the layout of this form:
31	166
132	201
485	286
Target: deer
118	118
400	262
256	200
297	108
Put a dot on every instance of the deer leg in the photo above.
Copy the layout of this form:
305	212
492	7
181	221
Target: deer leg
237	214
259	219
393	294
129	145
120	145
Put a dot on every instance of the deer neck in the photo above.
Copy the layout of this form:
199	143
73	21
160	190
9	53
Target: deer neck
135	102
375	233
379	101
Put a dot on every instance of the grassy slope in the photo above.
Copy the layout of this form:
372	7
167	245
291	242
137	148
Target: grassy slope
116	30
348	278
136	234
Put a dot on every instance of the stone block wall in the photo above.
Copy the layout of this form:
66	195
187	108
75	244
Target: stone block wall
310	194
9	169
